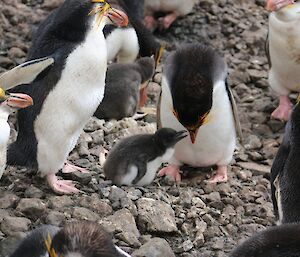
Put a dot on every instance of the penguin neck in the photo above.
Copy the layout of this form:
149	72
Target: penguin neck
159	144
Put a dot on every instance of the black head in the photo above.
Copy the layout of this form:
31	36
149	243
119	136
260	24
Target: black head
86	238
168	137
191	72
146	67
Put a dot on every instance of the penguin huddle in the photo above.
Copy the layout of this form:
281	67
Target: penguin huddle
197	116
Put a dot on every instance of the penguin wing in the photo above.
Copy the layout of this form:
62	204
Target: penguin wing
142	169
267	49
234	108
278	166
25	73
158	120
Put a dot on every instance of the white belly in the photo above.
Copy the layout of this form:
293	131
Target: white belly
4	137
176	6
284	42
123	44
215	140
71	103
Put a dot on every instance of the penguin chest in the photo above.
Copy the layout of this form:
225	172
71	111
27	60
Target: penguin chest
75	97
123	44
4	137
215	141
284	47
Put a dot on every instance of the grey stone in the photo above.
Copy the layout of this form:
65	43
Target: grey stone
32	207
155	247
82	213
10	225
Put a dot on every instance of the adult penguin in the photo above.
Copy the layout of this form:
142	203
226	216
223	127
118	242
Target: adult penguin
67	94
126	44
196	97
283	50
285	182
83	238
279	241
9	103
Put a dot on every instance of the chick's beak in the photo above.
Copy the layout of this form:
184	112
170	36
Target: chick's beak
118	17
180	135
274	5
19	101
193	135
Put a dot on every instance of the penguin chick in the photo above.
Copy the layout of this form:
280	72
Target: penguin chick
171	9
121	95
67	94
283	49
12	103
195	97
84	239
136	159
280	241
285	182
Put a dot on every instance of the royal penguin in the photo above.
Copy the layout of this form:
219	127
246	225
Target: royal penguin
67	94
196	97
283	50
75	239
135	160
123	84
171	9
285	182
9	103
278	241
126	44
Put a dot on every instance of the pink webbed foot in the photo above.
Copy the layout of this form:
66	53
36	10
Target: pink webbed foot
165	22
220	176
283	111
171	171
61	186
150	23
69	168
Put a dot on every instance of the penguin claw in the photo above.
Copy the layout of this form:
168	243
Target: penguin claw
165	22
171	171
69	168
283	111
150	23
62	186
220	176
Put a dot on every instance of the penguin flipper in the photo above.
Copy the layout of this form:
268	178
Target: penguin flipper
158	119
278	166
142	169
267	49
234	108
25	73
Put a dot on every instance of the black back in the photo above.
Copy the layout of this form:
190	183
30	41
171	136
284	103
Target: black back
137	150
191	72
34	244
121	95
287	167
281	241
56	36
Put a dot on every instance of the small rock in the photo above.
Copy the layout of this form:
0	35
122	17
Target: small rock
82	213
8	200
156	216
10	225
58	202
55	218
32	207
155	247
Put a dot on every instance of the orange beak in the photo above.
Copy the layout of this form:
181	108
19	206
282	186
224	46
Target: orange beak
19	101
193	135
118	17
274	5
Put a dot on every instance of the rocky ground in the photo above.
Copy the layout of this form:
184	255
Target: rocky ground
189	219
